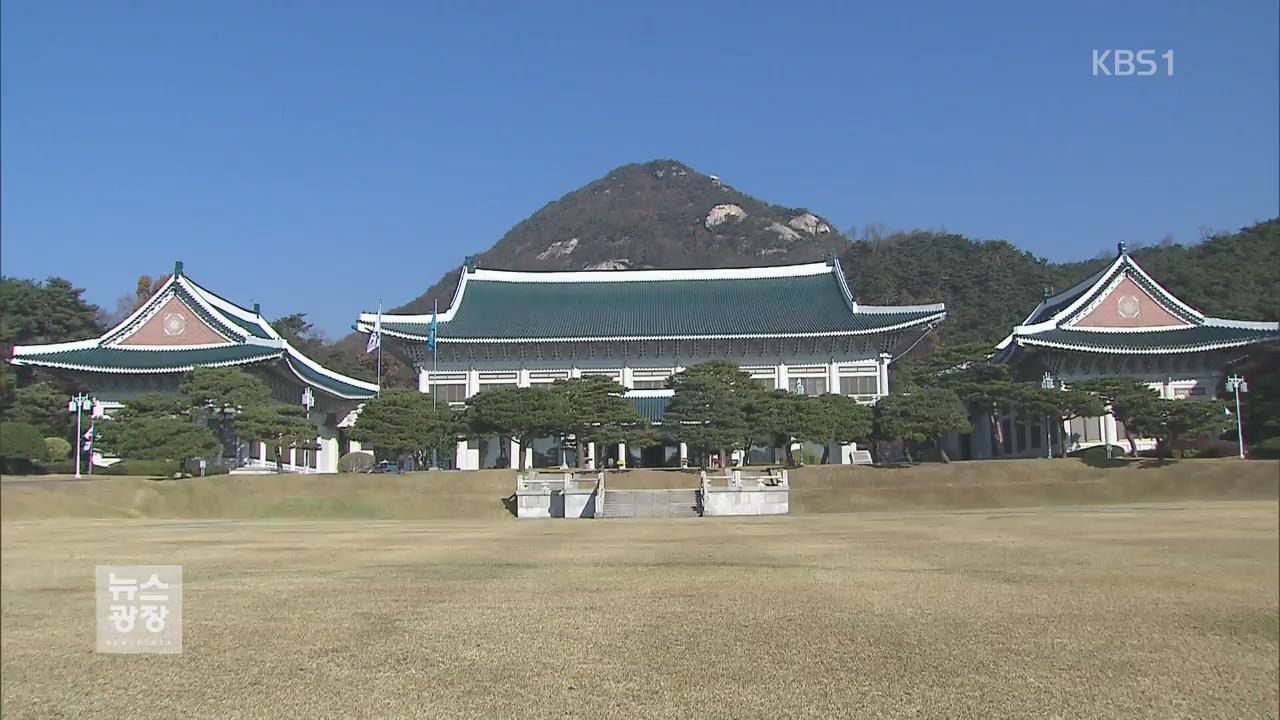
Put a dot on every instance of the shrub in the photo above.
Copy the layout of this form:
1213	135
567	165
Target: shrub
1267	449
159	468
356	462
58	448
20	444
64	467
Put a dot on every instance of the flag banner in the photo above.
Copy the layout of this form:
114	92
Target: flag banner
431	334
375	337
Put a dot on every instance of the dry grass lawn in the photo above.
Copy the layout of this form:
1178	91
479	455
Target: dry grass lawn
1151	611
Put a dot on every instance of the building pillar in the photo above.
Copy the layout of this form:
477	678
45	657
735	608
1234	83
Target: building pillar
622	455
593	463
781	379
513	455
327	462
883	373
522	377
462	457
833	377
424	379
1110	433
473	381
625	379
684	455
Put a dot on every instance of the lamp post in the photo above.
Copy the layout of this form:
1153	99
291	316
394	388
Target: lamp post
308	402
1237	384
79	403
1046	383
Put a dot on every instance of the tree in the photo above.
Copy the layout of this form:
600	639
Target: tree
520	414
43	406
844	420
1057	406
988	389
129	303
1260	406
156	427
300	333
599	413
921	416
157	438
47	312
223	395
786	417
219	389
20	445
1130	401
708	409
278	426
403	422
1173	422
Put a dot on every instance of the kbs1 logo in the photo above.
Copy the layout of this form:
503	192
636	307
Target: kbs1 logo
1123	63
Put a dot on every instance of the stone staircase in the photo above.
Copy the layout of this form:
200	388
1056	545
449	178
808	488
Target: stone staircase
650	503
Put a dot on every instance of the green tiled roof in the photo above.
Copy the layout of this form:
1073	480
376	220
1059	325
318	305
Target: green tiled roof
1196	337
325	382
812	304
652	408
117	359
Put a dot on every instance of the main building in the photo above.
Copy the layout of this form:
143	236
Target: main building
795	327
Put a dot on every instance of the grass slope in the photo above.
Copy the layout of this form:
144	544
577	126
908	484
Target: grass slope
487	494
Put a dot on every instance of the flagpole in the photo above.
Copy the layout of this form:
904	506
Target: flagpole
379	332
434	306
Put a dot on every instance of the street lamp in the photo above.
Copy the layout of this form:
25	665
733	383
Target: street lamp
1046	383
79	403
308	402
1237	384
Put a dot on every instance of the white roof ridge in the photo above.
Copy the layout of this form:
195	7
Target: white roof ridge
651	275
928	307
295	354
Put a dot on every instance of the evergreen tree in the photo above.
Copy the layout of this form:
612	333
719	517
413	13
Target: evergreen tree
921	416
844	420
708	409
522	414
403	422
155	427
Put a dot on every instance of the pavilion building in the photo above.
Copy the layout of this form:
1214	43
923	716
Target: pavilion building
1118	322
184	326
795	328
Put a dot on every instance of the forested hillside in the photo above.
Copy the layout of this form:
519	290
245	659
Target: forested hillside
990	286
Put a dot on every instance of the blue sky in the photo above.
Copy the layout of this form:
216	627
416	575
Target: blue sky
314	157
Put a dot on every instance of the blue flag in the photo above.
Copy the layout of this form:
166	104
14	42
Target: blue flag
431	334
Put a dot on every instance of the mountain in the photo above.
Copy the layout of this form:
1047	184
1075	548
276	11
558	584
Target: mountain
662	214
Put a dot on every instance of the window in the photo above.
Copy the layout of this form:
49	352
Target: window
816	385
451	393
649	384
859	385
765	382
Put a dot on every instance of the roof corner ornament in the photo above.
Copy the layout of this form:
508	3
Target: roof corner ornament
1047	292
177	268
257	309
1121	248
470	263
831	257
